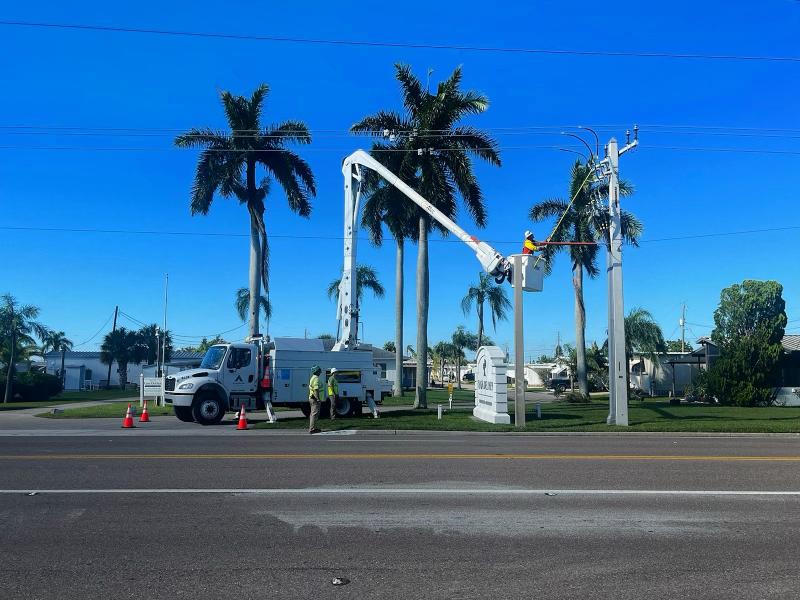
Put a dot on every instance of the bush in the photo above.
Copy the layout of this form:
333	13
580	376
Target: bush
576	398
32	386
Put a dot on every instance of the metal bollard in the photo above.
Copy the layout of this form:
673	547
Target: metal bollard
538	410
439	411
451	401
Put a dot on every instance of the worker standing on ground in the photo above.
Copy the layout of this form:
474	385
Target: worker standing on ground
314	399
333	392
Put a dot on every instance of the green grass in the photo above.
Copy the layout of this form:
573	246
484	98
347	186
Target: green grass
67	397
111	410
651	415
435	396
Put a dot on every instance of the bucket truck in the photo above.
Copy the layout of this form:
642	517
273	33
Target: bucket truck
260	374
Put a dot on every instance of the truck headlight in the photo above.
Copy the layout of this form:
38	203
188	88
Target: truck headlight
186	386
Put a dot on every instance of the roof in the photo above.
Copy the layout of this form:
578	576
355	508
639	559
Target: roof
791	343
176	354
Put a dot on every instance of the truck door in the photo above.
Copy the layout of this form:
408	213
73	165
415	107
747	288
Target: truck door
240	371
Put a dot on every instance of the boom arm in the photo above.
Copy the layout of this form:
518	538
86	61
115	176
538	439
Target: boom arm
492	261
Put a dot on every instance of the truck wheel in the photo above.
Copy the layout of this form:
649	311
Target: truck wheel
344	407
305	408
355	408
208	410
184	413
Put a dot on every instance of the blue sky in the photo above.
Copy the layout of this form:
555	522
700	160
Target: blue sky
61	78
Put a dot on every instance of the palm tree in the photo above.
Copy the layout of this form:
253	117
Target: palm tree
243	303
486	291
18	325
58	342
228	165
437	157
153	342
643	337
386	205
366	279
125	347
582	222
463	340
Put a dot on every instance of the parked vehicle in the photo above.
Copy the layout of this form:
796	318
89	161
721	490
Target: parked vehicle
559	384
468	377
260	374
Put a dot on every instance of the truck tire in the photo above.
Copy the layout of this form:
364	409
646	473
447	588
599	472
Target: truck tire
207	409
305	408
345	407
184	413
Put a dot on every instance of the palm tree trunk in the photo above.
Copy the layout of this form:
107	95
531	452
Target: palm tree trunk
10	375
458	371
580	331
63	356
254	276
421	397
398	320
122	370
480	324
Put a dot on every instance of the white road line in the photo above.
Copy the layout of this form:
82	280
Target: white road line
412	490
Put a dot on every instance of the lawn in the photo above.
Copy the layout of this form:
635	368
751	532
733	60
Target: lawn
651	415
67	397
111	410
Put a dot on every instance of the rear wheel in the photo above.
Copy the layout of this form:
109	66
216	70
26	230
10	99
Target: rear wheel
208	410
345	407
184	413
305	408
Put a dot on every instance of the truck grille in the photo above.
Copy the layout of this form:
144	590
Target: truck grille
169	384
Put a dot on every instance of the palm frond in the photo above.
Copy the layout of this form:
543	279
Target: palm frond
291	131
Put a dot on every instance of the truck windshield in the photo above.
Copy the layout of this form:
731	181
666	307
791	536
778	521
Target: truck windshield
213	357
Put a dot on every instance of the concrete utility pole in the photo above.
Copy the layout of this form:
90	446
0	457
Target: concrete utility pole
617	358
519	346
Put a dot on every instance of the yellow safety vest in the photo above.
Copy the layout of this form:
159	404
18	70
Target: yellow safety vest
333	386
313	387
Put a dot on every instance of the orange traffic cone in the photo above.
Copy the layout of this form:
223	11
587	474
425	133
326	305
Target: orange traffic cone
242	419
127	422
145	416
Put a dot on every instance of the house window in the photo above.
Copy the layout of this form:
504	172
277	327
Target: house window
88	375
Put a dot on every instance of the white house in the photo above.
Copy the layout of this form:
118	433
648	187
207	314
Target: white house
84	370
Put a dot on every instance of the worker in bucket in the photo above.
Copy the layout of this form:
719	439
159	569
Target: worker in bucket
314	399
333	392
529	246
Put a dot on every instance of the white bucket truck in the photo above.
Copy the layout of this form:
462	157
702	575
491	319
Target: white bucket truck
262	374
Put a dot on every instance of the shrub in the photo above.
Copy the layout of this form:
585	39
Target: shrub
576	398
32	386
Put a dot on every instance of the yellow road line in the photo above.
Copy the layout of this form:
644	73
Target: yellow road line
401	456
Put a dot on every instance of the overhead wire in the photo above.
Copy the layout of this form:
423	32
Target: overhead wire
97	332
390	44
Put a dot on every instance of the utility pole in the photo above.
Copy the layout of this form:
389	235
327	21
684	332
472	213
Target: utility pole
113	329
683	328
164	341
617	357
519	346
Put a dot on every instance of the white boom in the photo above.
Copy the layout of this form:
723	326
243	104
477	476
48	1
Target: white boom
492	261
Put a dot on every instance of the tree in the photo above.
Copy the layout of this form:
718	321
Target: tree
325	336
125	347
18	326
748	327
463	340
242	303
386	205
366	279
228	165
643	337
486	291
430	124
205	344
153	344
582	222
678	346
390	347
57	341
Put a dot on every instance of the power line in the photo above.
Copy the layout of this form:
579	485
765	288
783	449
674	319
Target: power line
365	239
559	148
388	44
97	332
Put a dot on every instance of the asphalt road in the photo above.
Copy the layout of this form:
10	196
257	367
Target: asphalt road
430	515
